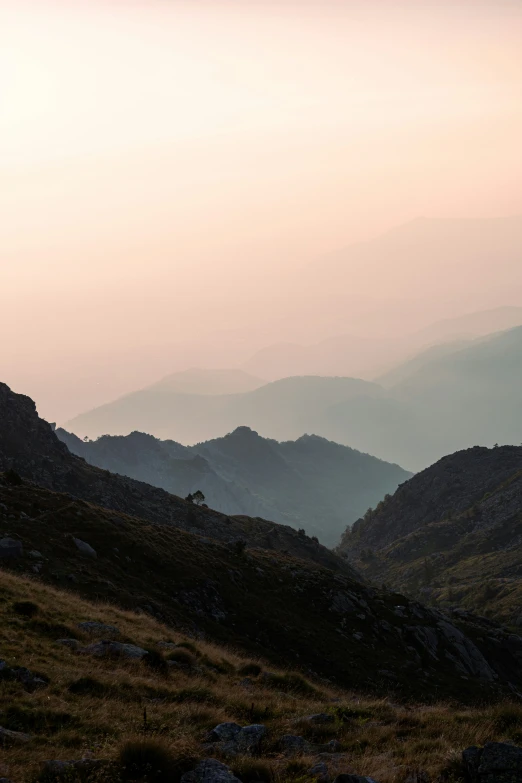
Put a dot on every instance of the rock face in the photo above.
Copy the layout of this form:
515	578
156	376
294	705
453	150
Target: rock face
496	762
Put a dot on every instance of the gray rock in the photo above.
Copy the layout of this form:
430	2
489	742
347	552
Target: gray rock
97	629
320	717
9	547
29	680
210	771
36	554
249	739
115	649
8	737
225	732
496	762
168	645
320	771
85	548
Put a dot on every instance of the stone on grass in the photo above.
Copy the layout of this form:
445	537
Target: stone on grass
210	771
9	547
107	648
225	732
8	737
496	762
85	548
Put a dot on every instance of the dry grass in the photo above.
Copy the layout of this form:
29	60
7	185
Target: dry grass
94	706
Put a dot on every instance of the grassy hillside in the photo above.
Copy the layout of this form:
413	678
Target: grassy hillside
105	707
267	603
451	536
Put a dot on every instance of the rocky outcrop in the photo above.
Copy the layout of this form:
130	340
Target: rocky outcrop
496	762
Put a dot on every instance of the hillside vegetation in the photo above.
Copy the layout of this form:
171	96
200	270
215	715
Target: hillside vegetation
104	708
452	535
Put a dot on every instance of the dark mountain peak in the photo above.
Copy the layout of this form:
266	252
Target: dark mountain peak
449	487
243	433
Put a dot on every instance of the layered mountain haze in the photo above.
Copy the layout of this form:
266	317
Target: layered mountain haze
448	398
310	484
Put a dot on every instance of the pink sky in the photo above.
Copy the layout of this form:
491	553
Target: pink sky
167	168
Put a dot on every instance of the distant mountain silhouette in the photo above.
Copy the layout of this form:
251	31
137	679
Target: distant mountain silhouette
370	358
443	401
283	410
310	483
200	381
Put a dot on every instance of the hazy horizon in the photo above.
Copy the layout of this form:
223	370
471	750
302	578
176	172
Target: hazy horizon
187	184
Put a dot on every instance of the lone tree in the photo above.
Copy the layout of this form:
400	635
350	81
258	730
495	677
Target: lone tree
198	497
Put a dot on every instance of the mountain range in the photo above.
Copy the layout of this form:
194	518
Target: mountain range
310	483
451	535
279	595
447	399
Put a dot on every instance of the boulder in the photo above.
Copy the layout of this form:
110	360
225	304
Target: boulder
320	772
8	737
85	548
319	718
210	771
496	762
225	732
249	739
9	547
29	680
107	648
232	739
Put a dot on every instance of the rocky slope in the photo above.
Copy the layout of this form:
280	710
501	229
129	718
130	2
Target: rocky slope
30	447
309	483
90	692
266	603
451	534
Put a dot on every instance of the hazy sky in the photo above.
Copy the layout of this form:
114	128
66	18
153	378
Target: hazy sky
167	166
